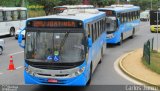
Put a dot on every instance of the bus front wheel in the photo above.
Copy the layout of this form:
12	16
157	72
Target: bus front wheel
12	31
1	50
90	75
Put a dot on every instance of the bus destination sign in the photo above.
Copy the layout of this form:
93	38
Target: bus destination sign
54	24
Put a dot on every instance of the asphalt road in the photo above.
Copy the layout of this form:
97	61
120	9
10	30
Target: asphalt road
105	73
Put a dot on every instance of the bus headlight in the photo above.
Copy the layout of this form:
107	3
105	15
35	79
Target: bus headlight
109	36
29	71
77	73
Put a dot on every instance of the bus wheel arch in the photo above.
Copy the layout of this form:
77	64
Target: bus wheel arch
90	75
1	50
12	31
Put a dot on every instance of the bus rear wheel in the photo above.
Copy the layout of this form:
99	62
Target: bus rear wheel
1	50
12	32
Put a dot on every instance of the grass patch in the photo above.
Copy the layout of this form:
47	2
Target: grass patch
155	62
36	13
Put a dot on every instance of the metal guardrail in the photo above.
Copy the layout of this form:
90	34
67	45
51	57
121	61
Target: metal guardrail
148	47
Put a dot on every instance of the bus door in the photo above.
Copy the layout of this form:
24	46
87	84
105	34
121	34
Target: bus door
2	25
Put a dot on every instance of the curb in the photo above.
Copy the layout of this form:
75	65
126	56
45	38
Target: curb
121	59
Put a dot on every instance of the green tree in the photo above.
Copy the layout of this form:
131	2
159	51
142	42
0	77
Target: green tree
146	4
48	4
102	3
70	2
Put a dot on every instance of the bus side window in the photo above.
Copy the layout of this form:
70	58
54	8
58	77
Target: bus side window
22	15
14	15
1	16
8	15
92	30
96	29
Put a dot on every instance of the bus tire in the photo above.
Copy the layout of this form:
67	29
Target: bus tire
90	76
12	31
121	40
133	33
1	50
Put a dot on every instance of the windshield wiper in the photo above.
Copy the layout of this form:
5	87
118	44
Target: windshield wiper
63	41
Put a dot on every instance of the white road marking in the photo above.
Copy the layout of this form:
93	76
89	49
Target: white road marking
118	70
19	67
16	53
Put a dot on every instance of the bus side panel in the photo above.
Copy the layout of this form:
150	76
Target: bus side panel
126	30
14	24
96	49
3	28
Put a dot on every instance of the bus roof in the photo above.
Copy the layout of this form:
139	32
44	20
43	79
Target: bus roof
12	8
74	14
121	8
75	6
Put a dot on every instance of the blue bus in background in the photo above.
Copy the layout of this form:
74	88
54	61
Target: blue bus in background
64	49
122	22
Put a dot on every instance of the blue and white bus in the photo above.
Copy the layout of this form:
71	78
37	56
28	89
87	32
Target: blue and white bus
122	22
64	49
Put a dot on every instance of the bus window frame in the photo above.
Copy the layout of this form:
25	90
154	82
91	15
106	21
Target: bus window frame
14	16
20	16
5	15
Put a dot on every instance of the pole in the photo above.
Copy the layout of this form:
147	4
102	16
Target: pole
157	28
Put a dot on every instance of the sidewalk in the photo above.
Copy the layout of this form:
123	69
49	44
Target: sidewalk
132	65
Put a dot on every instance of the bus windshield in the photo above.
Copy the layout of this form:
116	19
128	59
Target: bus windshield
54	47
111	24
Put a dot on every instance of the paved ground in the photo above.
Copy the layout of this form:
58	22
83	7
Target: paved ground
105	73
132	65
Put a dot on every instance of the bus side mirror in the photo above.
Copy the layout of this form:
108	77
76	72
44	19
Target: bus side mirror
89	42
19	38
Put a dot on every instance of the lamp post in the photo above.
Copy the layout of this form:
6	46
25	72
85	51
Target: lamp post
157	26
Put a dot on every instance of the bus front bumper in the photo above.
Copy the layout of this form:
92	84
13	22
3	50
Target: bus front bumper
113	40
77	81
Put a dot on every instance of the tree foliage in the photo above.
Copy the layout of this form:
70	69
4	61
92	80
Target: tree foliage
49	4
146	4
102	3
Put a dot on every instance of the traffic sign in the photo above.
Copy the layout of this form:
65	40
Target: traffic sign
153	17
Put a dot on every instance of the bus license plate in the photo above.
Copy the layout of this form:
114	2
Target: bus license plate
52	80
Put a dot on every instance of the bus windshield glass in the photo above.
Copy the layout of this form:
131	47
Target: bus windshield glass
111	24
54	47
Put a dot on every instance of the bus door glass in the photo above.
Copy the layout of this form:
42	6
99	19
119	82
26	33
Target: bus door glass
1	22
22	17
